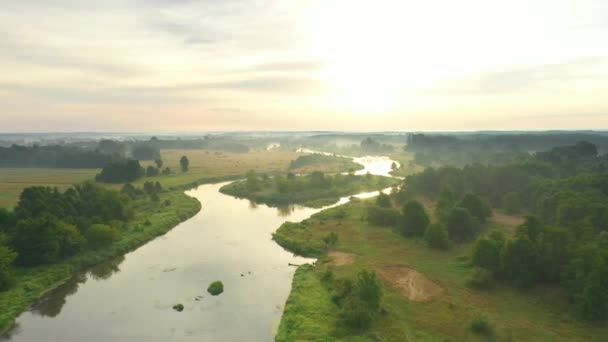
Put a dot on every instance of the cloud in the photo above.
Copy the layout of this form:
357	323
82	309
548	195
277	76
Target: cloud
524	78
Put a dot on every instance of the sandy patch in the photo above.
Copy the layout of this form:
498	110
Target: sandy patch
412	284
511	222
341	258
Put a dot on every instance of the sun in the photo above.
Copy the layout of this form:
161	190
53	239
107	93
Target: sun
366	56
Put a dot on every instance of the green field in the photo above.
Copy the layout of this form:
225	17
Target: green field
309	315
14	180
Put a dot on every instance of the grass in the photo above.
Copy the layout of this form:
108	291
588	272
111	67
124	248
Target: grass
312	197
205	166
209	165
32	283
538	315
14	180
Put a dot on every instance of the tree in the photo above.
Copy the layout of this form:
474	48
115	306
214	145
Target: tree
415	220
436	236
121	171
100	235
361	304
520	262
511	203
586	281
486	254
7	257
477	207
44	240
184	163
461	225
379	216
383	200
252	181
159	163
151	171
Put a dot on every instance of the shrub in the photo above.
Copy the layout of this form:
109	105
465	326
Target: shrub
178	307
216	288
382	216
486	254
436	236
331	239
480	278
100	235
383	200
480	325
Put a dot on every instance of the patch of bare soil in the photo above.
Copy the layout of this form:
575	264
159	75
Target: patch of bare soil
509	221
341	258
412	284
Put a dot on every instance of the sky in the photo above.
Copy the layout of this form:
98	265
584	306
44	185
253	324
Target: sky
210	65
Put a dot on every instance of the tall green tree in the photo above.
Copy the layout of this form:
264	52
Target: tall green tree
415	220
476	206
461	225
184	163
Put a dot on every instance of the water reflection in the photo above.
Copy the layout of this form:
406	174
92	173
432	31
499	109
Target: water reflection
51	304
106	269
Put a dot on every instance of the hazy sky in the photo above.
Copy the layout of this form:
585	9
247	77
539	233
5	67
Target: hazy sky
186	65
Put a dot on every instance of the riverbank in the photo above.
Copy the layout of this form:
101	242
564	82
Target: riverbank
426	297
152	219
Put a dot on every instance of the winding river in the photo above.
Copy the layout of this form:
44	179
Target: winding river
130	298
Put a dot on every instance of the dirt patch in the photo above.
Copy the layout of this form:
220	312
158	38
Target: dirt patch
508	221
412	284
341	258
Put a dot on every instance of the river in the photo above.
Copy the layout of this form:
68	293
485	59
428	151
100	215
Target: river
130	298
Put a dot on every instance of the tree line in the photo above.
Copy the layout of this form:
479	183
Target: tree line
47	225
564	240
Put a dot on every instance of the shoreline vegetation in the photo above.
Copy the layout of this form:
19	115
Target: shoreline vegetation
32	284
427	291
151	220
315	190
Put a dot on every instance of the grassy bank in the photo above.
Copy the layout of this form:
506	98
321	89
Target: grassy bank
304	192
537	315
151	220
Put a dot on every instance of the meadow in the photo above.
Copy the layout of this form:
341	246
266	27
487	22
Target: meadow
426	297
14	180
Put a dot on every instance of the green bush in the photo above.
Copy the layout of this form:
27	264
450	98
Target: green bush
216	288
481	326
100	235
480	278
436	236
178	307
383	200
379	216
331	239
